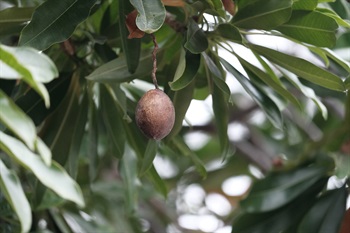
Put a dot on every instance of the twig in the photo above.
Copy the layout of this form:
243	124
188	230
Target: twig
154	57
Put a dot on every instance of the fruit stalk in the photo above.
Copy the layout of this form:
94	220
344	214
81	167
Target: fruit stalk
154	57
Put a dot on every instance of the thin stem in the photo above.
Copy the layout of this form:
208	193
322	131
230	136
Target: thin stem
154	57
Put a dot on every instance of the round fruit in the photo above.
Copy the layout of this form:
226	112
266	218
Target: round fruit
155	114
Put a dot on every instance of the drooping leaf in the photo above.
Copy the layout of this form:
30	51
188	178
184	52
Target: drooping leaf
44	151
278	190
131	47
151	14
117	70
191	68
158	182
12	189
275	84
340	21
263	14
342	165
131	181
17	121
113	120
54	177
196	40
266	104
150	154
92	136
302	68
54	22
311	27
30	65
326	214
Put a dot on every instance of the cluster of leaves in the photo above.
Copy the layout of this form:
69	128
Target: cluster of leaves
67	113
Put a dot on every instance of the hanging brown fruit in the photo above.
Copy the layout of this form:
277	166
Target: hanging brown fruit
155	114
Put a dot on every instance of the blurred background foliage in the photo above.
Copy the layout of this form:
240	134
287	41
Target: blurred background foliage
261	141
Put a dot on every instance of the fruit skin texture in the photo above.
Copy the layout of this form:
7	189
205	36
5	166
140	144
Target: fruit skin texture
155	114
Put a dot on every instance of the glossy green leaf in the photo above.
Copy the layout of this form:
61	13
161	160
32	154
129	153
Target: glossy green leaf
12	189
326	214
191	68
131	47
277	190
275	84
302	68
151	14
266	104
53	177
13	19
117	70
54	22
229	32
196	40
44	151
263	14
113	120
150	154
311	27
17	121
340	61
304	5
307	91
30	65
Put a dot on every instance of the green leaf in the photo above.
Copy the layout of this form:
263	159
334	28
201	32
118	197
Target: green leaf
279	220
274	83
117	70
54	21
196	40
229	32
92	136
151	14
307	91
335	16
342	165
302	68
217	6
327	213
113	120
263	14
277	190
129	173
43	151
17	121
311	27
304	5
13	19
160	185
53	177
265	103
29	64
150	154
11	187
131	47
191	68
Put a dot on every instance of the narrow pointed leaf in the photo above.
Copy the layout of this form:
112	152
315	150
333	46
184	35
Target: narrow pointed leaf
266	104
44	151
277	190
131	47
326	215
304	5
263	14
12	189
151	14
302	68
311	27
150	154
335	16
13	19
17	121
53	177
54	21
